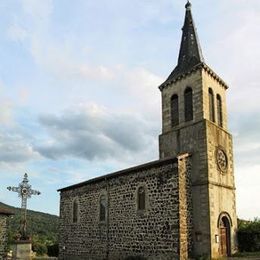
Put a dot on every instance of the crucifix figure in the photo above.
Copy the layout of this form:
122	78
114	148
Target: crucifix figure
25	192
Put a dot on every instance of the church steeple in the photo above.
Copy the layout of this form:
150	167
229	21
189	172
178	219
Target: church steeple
190	53
194	120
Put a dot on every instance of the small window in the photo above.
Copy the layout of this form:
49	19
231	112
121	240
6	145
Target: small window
141	198
188	103
75	211
219	111
211	106
175	110
103	208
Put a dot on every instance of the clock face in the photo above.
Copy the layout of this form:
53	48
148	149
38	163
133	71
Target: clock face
222	161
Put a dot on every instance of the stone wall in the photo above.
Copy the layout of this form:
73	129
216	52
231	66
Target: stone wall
218	89
192	138
222	185
161	231
3	235
185	207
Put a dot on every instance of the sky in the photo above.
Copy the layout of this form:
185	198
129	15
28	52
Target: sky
79	91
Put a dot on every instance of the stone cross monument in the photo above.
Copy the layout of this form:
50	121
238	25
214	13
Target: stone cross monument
24	192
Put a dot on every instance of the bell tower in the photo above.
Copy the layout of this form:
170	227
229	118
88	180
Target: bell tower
194	120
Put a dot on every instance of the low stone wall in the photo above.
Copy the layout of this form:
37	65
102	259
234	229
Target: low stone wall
3	236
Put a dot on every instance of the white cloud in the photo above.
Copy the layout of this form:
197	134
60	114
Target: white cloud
144	85
247	179
93	133
9	104
16	33
6	112
15	144
15	148
236	54
23	95
60	60
12	169
38	8
99	72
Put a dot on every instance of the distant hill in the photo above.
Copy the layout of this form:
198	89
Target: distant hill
42	226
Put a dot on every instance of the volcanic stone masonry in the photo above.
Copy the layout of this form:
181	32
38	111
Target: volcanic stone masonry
161	231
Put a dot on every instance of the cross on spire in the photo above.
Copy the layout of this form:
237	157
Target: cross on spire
24	192
188	4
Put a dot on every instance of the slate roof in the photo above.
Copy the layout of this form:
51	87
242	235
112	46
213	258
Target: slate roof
190	53
123	172
6	212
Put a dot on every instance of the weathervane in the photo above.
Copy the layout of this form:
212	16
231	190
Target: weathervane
25	192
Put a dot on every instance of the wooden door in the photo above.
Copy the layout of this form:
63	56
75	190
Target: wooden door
224	232
223	241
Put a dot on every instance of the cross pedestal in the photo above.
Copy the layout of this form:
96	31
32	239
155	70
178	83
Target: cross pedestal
22	250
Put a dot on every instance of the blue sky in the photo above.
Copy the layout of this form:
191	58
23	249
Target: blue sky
78	88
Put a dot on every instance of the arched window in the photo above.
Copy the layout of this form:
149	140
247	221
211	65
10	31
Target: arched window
141	198
75	211
211	106
188	103
174	110
219	110
102	208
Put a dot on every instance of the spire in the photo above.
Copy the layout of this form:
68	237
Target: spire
190	53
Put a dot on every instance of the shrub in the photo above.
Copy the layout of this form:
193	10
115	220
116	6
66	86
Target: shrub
249	235
53	250
39	248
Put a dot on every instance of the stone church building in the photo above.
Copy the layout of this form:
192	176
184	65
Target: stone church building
178	207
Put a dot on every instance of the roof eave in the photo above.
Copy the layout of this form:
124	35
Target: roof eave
121	172
6	212
192	70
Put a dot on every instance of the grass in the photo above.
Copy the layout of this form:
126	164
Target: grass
247	254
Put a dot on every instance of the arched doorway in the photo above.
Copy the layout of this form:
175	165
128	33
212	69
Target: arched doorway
224	232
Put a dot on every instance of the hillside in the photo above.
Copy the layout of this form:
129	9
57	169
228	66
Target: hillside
41	226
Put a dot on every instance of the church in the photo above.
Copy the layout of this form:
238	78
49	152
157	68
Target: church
181	206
